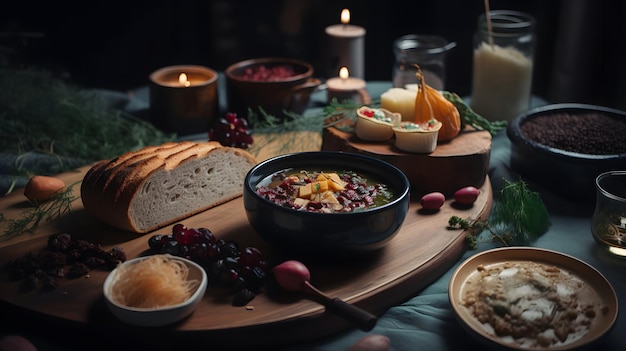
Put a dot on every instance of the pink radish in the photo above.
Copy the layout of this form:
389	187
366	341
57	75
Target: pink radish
373	342
294	276
291	275
433	201
466	195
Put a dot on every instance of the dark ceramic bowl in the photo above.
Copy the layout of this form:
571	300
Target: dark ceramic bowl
289	93
569	174
327	233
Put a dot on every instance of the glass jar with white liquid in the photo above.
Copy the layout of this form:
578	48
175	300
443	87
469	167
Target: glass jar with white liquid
503	65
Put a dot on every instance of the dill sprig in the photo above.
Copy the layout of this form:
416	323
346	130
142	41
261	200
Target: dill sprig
53	209
469	117
42	114
263	122
330	114
519	217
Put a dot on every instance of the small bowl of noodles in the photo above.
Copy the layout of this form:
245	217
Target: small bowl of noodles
155	290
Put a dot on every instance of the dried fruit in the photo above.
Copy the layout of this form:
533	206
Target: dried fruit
431	104
42	188
232	131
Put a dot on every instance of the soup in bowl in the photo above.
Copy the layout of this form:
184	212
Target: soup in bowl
326	202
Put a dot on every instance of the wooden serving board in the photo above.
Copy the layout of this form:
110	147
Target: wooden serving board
454	164
423	249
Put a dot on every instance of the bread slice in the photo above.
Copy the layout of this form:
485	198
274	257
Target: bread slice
147	189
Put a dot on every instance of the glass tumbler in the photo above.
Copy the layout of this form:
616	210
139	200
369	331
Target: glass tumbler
427	51
503	65
608	224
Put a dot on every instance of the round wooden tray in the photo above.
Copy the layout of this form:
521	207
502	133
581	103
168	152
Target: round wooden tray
423	249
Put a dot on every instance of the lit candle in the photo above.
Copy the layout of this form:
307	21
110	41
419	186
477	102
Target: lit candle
345	88
182	79
346	44
183	99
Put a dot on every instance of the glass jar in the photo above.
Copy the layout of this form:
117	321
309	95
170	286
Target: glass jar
608	223
428	52
503	65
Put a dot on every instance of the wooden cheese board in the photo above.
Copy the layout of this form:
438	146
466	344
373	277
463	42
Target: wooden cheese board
460	162
423	249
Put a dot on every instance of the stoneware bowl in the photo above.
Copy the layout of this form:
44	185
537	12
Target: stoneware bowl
325	234
570	174
594	290
264	82
161	316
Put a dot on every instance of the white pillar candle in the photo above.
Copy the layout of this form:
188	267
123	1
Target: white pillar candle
345	87
346	47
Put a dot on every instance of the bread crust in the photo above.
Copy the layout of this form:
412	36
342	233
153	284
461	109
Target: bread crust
110	187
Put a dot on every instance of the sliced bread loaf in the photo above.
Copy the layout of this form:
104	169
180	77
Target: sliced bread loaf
147	189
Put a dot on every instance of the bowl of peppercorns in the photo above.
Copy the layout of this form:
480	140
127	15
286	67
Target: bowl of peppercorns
564	147
277	85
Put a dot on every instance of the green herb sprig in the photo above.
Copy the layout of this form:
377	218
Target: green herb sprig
59	205
469	117
519	217
44	115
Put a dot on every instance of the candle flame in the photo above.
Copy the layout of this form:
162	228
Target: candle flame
343	73
345	16
182	79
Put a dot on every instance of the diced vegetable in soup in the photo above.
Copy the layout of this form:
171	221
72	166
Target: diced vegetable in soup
325	191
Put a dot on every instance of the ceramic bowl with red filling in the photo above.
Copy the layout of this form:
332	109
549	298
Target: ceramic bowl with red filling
275	84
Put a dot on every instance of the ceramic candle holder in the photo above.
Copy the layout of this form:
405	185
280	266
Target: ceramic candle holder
184	108
343	89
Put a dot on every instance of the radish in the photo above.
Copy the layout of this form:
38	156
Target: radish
466	195
291	275
433	201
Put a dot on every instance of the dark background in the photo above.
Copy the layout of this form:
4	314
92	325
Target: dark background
116	44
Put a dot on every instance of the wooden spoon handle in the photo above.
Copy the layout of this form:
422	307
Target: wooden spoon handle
353	314
359	317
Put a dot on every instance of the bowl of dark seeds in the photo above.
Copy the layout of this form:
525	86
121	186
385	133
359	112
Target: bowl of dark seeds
564	147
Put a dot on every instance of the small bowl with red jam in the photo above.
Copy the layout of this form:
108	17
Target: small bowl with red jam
564	147
325	203
277	85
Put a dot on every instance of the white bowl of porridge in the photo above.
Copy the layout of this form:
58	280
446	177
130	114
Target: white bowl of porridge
524	298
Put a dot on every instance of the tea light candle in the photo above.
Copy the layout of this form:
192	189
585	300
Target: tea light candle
183	98
346	88
346	44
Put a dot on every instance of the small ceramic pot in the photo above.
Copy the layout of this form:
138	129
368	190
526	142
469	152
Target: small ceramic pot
375	124
417	137
276	94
